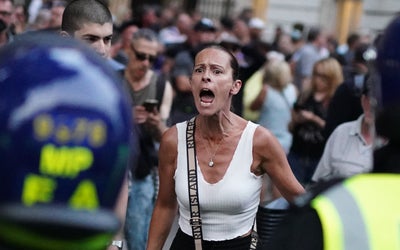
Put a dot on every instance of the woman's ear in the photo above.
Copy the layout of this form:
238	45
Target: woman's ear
236	86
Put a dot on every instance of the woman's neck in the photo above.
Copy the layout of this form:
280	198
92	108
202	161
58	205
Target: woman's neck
215	127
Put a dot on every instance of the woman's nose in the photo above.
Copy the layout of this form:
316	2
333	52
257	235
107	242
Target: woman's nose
206	76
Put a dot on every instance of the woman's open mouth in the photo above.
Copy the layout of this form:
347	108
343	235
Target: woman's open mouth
206	96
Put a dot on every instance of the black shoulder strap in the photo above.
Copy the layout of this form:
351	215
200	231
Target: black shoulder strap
195	219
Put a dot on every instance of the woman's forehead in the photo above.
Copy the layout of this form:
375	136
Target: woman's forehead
213	56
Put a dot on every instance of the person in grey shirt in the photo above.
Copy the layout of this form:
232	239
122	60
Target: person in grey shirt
304	59
348	150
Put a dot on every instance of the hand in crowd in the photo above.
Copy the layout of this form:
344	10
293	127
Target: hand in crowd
299	116
141	115
303	116
306	115
152	120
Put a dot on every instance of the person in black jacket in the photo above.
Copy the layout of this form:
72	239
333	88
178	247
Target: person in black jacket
345	104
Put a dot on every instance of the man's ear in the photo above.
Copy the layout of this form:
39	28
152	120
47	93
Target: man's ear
64	34
236	86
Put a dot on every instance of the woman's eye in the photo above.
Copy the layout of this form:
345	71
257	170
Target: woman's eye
217	71
198	70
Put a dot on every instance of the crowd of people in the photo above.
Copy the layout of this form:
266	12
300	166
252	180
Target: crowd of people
267	117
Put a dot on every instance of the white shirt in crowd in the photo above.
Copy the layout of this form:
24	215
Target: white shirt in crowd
346	153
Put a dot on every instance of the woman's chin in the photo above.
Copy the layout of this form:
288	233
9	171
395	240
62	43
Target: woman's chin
206	111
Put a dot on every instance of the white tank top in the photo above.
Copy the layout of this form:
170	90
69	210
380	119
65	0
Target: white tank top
228	207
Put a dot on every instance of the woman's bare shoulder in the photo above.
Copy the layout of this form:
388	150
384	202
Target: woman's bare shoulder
168	147
261	134
170	136
264	140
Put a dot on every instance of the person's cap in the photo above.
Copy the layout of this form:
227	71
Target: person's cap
256	23
296	35
387	83
65	140
171	36
229	42
227	38
205	24
121	28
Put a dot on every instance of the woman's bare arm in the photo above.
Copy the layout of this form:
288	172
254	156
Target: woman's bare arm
272	160
166	205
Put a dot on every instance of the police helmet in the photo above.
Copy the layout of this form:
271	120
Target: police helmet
65	137
388	89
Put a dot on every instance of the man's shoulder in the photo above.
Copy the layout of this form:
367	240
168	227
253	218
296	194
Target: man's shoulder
309	52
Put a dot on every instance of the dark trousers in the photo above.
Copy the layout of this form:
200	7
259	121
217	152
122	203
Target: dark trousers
183	241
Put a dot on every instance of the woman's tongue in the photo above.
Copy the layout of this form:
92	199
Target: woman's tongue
206	98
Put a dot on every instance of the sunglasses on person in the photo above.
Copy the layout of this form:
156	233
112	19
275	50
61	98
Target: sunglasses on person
5	13
143	56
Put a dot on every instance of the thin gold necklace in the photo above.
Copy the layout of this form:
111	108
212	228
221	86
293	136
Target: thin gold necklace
211	162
